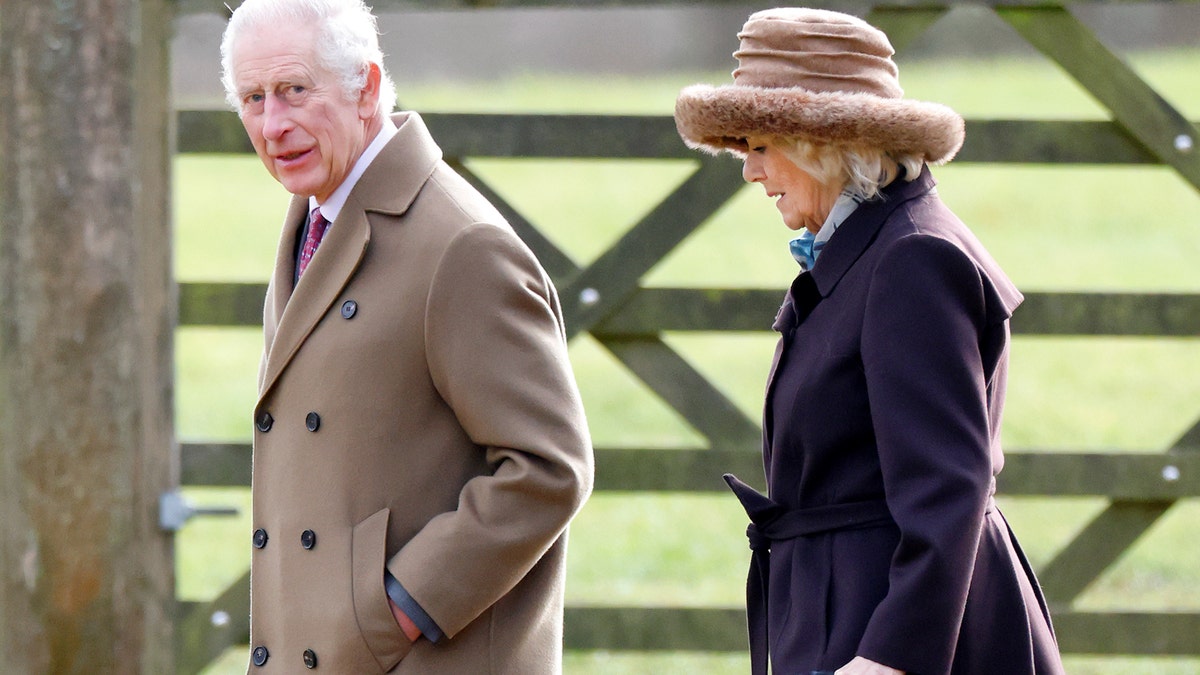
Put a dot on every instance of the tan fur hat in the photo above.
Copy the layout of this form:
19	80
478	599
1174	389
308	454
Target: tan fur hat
820	75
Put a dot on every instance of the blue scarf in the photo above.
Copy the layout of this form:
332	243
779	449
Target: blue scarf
808	246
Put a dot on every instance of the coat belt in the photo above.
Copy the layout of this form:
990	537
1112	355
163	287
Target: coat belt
770	522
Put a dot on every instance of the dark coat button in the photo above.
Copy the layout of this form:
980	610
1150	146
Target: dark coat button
260	538
260	655
313	421
264	422
310	659
349	309
308	539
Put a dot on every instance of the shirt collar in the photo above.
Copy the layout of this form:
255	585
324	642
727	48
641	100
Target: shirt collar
333	206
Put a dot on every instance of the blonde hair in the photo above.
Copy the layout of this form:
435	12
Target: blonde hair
864	170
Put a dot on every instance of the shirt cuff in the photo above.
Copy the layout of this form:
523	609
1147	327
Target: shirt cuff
409	606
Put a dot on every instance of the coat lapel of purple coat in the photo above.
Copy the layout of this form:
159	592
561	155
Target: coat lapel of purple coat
859	230
842	251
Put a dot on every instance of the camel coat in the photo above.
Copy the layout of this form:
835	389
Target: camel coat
416	410
887	391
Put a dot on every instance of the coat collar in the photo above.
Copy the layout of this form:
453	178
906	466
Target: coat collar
862	226
859	229
856	234
853	237
389	186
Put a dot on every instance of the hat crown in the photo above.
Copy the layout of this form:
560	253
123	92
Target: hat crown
818	75
817	50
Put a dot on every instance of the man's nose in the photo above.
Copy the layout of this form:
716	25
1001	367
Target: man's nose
277	118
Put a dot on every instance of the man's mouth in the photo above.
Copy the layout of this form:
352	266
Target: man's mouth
290	156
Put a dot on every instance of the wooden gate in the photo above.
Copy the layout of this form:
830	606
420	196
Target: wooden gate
608	300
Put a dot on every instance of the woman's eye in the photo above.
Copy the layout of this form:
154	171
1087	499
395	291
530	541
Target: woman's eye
759	149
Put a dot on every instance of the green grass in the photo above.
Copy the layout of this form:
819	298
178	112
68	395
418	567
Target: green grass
1052	228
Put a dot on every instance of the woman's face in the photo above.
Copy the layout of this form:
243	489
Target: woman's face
801	200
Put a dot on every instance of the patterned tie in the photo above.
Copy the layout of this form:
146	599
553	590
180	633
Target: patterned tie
316	229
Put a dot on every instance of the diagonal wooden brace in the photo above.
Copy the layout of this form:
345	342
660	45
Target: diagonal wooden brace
1134	104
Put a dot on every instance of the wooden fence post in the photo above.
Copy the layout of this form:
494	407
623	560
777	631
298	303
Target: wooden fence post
87	313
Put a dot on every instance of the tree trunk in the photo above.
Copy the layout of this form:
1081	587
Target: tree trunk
87	313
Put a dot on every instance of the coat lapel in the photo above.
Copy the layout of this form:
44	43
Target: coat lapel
388	186
340	253
285	261
859	230
800	300
853	237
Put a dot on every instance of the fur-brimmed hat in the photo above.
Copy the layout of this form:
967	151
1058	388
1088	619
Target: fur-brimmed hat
819	75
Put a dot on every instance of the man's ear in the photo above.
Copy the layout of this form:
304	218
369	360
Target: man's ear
368	98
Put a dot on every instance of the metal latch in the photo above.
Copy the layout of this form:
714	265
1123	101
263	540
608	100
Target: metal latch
174	510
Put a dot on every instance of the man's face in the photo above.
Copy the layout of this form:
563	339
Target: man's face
304	129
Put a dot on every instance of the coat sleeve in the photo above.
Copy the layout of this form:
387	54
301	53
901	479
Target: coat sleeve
928	397
497	354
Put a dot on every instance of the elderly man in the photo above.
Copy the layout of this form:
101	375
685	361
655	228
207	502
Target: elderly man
420	445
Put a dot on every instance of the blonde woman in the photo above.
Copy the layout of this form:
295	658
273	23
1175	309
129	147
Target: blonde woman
879	548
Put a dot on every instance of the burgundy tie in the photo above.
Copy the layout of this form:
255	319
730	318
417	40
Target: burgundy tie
316	229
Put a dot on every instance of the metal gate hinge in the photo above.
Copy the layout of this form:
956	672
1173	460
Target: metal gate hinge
174	510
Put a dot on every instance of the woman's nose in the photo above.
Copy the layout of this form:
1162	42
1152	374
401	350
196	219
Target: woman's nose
752	168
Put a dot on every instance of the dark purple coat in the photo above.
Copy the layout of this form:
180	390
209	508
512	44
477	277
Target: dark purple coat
888	384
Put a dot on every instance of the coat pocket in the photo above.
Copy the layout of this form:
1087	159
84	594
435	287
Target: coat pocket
384	638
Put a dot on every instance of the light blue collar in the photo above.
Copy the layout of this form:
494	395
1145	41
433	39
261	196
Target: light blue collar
807	246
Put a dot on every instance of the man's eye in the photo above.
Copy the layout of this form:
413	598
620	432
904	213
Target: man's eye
759	149
252	103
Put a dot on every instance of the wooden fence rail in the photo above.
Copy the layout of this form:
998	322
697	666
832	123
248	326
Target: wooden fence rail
1017	141
653	310
607	300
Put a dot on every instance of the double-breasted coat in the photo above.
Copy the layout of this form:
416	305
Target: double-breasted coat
887	389
417	411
